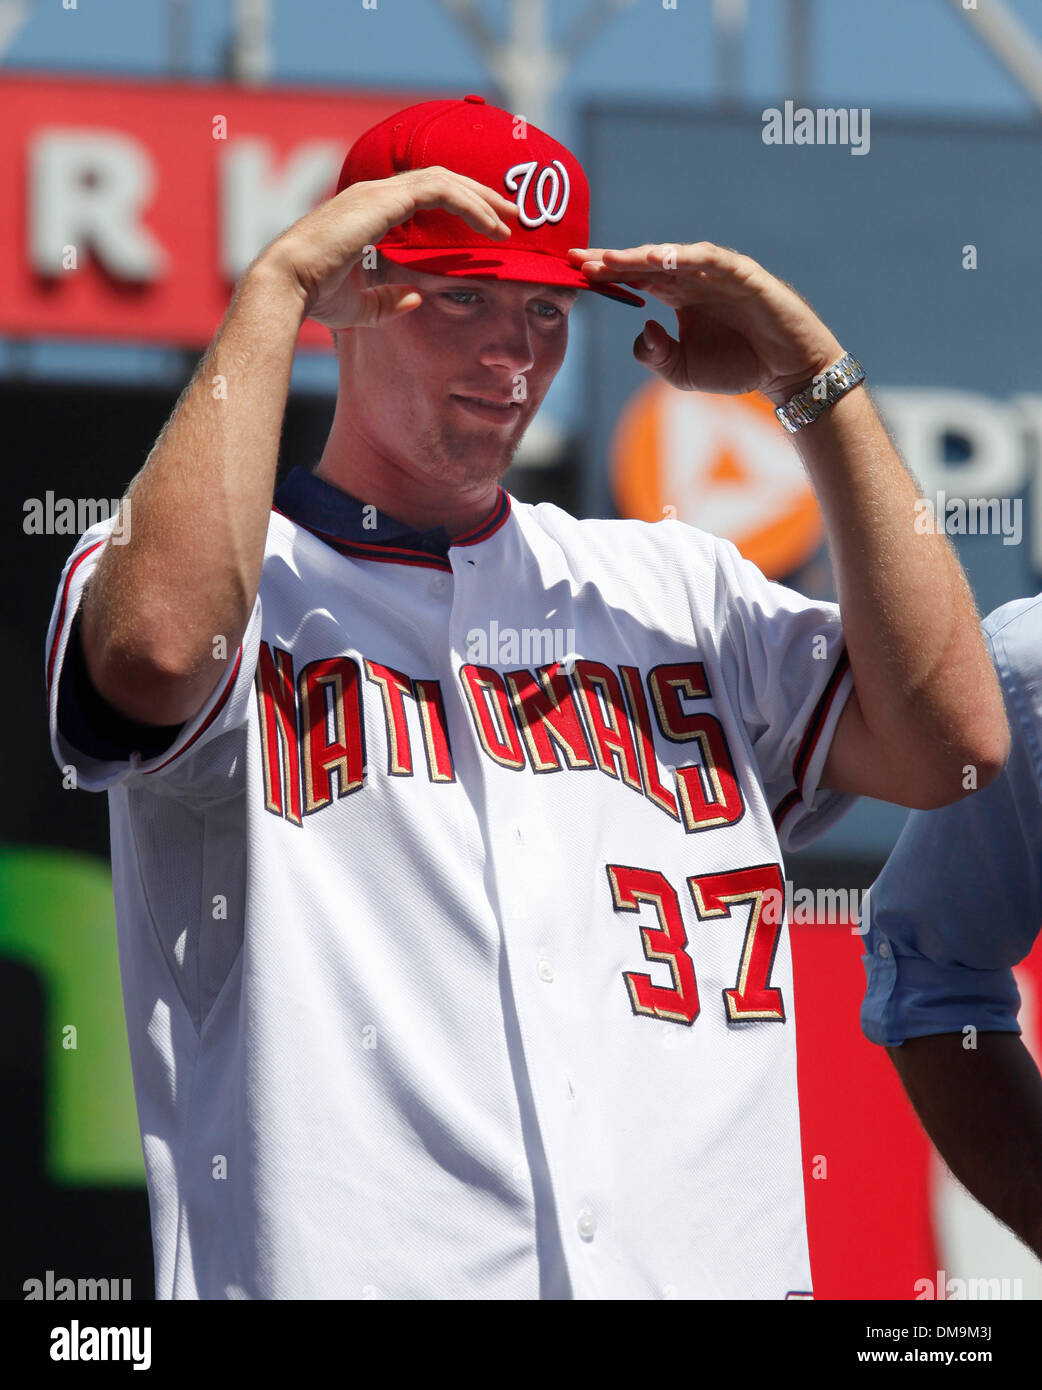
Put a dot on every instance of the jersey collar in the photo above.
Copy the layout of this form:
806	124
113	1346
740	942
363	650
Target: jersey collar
338	519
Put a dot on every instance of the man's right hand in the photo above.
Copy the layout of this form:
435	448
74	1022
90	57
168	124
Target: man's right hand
319	251
202	503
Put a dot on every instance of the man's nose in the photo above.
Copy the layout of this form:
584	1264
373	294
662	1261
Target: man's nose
509	342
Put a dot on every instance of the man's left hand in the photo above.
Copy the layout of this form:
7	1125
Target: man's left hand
739	327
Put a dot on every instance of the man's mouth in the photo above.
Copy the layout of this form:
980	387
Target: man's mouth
487	408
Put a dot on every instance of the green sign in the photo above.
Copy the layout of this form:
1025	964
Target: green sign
57	919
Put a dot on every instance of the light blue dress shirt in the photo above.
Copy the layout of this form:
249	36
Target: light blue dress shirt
959	902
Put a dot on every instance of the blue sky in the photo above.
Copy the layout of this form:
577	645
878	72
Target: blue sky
914	56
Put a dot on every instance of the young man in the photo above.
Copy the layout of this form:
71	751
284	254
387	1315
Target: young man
447	964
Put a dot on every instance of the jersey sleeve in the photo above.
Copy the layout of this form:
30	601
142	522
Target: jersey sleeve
959	902
103	746
791	674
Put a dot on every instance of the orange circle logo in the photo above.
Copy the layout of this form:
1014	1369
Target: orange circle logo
721	463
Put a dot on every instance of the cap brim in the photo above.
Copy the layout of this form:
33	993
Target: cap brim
529	266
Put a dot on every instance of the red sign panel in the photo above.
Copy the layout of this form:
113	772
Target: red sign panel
877	1208
129	209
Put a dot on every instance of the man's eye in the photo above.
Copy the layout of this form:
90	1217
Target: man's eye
545	309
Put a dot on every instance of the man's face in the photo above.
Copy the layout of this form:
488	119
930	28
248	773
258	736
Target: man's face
407	382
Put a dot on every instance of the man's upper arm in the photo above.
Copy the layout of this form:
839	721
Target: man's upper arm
786	666
855	763
92	737
91	723
863	763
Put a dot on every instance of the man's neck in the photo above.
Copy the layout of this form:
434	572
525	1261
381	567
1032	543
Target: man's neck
417	501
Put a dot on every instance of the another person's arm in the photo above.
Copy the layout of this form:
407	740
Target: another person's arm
956	907
982	1107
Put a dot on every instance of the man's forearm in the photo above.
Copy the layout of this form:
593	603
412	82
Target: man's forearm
921	668
982	1107
200	506
927	697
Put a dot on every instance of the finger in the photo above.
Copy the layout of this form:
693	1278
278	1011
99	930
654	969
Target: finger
476	203
629	254
495	213
658	260
477	212
669	257
403	303
383	303
649	341
602	270
504	206
654	347
636	261
499	202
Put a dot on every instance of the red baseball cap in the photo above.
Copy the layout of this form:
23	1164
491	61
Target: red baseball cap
544	179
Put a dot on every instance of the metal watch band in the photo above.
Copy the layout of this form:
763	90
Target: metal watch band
808	404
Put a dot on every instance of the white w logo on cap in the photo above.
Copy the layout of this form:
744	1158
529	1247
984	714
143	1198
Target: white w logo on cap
550	208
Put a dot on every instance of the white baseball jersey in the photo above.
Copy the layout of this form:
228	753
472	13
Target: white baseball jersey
444	926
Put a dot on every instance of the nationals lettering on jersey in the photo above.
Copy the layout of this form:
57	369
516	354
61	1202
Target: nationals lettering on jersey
313	731
461	963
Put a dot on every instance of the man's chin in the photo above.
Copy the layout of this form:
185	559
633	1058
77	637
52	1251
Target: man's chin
482	459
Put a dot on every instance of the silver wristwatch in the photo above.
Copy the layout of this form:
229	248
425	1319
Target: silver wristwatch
827	386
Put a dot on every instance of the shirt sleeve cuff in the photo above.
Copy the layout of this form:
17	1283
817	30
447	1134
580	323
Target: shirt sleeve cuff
912	997
91	724
809	809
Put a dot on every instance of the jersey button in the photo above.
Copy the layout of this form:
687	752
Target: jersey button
884	949
439	584
586	1224
545	970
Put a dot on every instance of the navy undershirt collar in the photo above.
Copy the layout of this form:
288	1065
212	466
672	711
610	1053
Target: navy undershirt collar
320	506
